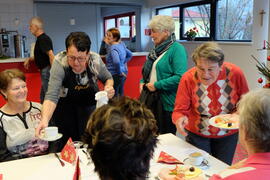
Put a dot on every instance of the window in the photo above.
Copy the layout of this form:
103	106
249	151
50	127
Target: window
109	23
225	20
124	22
199	17
175	13
234	19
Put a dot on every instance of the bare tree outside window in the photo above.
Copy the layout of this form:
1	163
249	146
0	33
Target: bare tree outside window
199	17
234	19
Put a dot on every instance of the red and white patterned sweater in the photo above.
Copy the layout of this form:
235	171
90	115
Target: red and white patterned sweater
200	102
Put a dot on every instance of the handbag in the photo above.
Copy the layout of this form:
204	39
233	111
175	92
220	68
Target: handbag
153	102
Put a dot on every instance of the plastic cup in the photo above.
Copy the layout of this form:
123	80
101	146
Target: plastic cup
102	98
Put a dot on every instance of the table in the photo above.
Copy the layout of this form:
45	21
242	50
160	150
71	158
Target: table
47	166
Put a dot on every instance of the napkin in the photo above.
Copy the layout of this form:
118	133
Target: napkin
168	159
68	153
77	173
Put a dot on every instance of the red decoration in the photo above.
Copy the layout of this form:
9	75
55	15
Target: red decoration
268	58
266	85
168	159
68	153
77	173
260	80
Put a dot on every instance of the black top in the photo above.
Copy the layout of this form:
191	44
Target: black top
103	48
43	45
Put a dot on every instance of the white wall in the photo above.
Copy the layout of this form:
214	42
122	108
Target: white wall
17	9
237	53
88	16
57	22
162	3
131	2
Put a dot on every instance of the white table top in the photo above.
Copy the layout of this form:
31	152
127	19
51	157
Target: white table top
47	166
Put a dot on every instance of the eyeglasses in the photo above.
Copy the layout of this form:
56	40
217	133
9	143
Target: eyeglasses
80	58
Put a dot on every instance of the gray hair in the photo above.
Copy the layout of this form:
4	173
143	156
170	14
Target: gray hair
162	23
254	109
210	51
37	21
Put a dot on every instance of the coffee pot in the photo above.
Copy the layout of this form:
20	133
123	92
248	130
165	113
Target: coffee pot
19	46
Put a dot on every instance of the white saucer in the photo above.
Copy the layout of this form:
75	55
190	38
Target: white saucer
59	135
205	164
212	121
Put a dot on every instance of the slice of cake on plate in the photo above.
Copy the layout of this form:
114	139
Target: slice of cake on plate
181	172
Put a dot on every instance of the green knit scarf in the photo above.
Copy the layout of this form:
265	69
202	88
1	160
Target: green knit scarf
154	54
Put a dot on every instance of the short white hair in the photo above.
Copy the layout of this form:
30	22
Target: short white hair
37	21
254	110
162	23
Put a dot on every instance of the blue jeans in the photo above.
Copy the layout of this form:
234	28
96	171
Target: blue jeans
221	148
118	84
45	76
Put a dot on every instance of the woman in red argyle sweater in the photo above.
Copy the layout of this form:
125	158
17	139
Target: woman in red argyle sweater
210	88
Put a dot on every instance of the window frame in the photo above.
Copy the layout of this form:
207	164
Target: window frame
117	16
213	16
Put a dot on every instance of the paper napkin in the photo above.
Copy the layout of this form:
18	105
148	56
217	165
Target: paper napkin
168	159
68	153
77	173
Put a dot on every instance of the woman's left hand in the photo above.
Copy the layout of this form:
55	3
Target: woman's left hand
151	87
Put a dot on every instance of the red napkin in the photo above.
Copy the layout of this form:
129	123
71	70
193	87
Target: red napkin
168	159
77	173
68	153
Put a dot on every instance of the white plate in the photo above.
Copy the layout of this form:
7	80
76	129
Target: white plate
59	135
213	123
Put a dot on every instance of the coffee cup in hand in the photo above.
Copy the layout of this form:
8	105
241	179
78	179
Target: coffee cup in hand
102	98
50	132
196	158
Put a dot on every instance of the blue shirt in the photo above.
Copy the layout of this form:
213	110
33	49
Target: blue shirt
117	58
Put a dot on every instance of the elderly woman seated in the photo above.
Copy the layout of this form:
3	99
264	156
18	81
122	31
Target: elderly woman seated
123	137
254	135
18	118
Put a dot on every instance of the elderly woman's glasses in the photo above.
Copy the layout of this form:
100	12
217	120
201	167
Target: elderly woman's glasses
79	58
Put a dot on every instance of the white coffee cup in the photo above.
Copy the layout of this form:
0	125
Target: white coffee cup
77	144
196	158
50	132
102	98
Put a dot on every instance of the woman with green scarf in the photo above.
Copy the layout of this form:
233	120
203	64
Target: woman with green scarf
162	71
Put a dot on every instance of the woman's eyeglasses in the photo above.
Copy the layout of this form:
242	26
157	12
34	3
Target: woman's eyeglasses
80	58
